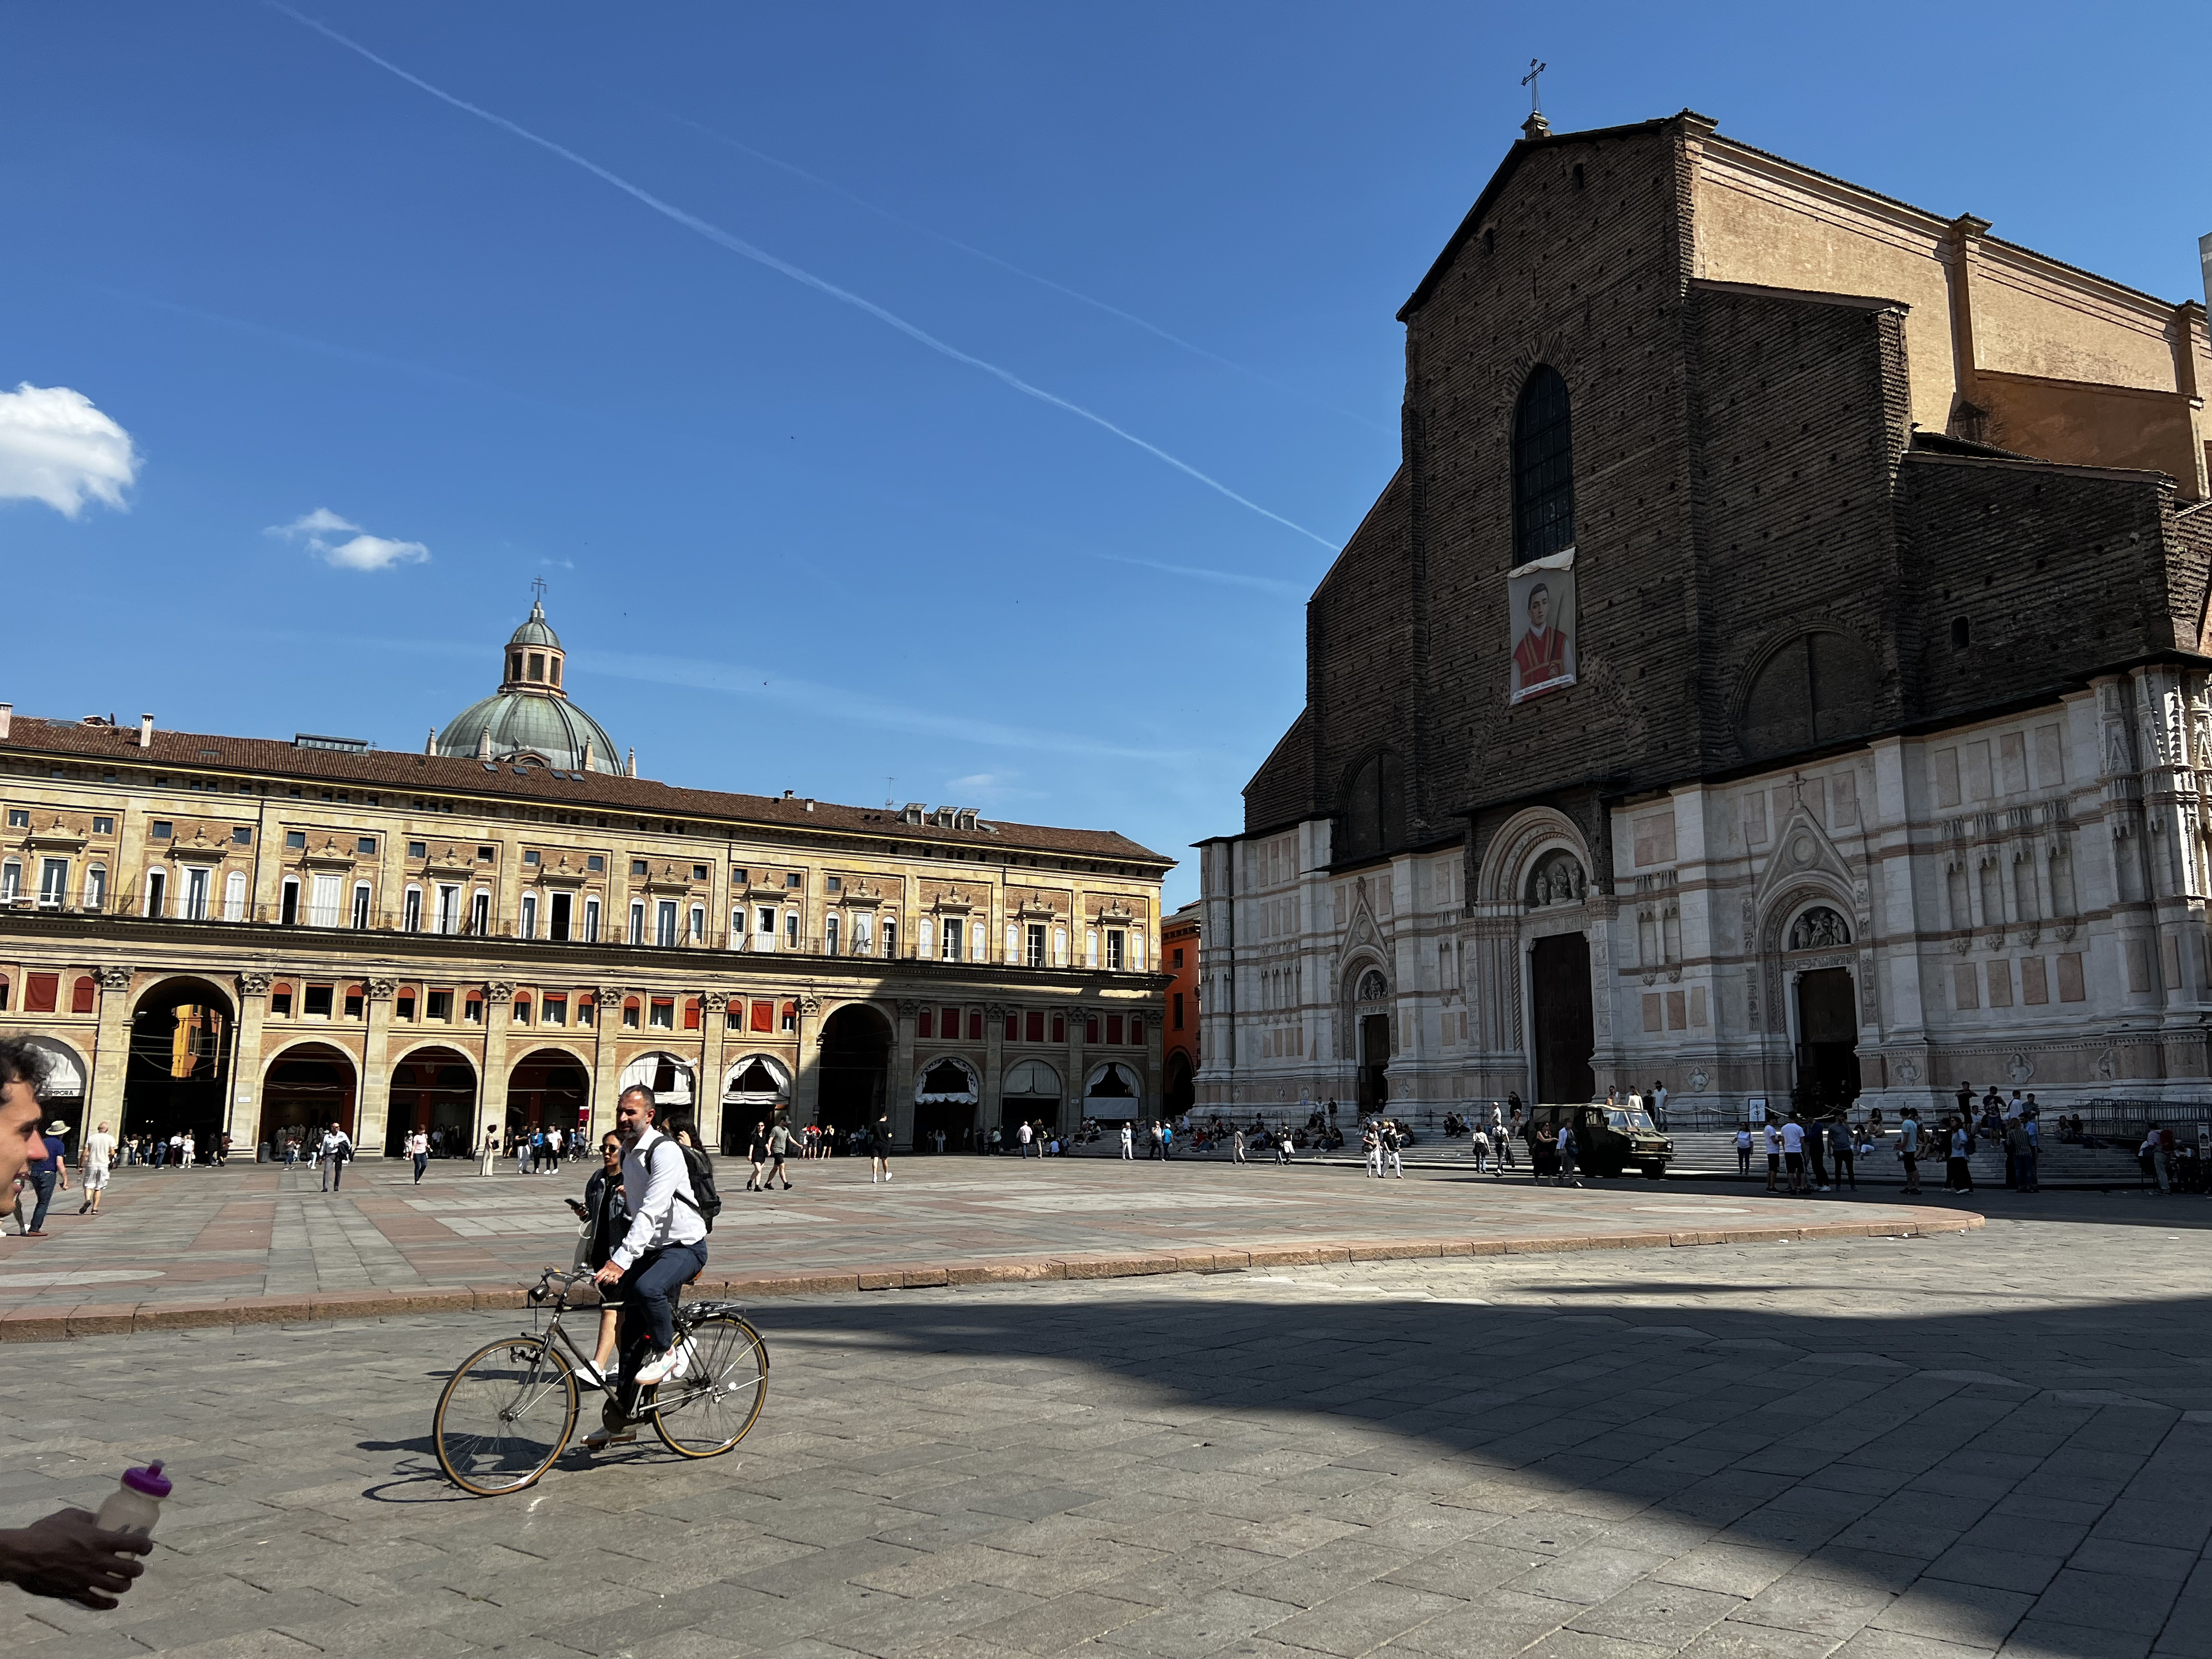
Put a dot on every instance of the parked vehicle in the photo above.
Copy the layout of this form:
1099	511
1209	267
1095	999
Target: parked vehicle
1610	1140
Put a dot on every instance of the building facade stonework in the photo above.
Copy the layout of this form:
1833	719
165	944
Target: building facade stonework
1778	668
247	935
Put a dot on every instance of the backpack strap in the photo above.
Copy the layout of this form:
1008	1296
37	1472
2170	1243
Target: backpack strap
681	1196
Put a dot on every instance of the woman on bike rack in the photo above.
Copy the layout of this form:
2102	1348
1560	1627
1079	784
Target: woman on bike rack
665	1248
606	1219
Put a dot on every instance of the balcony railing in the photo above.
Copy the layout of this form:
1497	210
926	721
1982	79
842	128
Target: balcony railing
132	908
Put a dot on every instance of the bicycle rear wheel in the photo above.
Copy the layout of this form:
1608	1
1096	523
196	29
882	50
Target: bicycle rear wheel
716	1401
505	1415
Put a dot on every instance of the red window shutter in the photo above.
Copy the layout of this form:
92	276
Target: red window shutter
690	1013
41	992
1090	1029
81	995
1037	1024
1114	1028
1013	1027
948	1025
975	1025
1060	1028
763	1016
925	1022
1137	1029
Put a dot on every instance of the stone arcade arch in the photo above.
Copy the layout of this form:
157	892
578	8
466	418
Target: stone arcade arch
433	1088
1032	1090
550	1088
853	1071
62	1094
947	1093
306	1088
183	1034
757	1089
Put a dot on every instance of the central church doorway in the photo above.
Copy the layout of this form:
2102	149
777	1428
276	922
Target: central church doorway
1827	1041
1565	1030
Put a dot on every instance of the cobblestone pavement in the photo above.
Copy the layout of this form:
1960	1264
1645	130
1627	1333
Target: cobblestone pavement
1910	1449
207	1237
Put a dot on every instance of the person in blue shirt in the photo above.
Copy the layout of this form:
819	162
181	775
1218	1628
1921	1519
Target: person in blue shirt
52	1171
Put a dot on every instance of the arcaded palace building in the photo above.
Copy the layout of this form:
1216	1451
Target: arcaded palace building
246	936
1779	666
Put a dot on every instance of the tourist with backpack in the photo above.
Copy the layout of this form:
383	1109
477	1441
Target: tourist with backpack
669	1187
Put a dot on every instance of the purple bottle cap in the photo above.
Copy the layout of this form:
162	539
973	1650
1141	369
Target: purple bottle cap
149	1480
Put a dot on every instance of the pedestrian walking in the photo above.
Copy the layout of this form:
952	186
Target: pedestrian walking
1841	1153
1128	1141
98	1152
338	1152
192	1149
49	1172
756	1152
418	1148
1773	1154
1392	1142
778	1145
2020	1155
1564	1148
1792	1153
879	1151
522	1141
1502	1139
1743	1150
488	1153
1958	1173
1908	1147
1480	1147
1236	1147
1371	1147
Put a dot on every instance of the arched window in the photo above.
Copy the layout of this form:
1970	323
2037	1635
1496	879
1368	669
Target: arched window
1816	688
1543	468
1374	816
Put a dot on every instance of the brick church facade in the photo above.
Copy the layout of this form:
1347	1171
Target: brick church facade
1778	668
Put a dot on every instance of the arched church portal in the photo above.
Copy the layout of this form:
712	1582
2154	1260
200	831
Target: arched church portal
1827	1010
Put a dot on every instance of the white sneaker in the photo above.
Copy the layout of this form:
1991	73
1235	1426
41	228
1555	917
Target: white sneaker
588	1374
668	1367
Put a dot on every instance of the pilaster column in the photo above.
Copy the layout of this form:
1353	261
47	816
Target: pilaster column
715	1027
111	1052
900	1085
375	1104
242	1113
805	1103
499	1006
1076	1016
606	1062
994	1059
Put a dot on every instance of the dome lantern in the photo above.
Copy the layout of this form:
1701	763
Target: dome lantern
530	717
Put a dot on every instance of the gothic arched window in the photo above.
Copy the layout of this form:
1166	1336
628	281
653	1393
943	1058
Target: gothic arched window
1543	468
1374	820
1817	688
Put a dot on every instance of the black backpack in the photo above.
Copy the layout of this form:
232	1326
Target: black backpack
700	1168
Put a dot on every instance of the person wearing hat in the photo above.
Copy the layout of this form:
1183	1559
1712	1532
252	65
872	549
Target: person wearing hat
51	1170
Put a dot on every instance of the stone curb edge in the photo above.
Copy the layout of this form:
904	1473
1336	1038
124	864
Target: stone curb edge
45	1323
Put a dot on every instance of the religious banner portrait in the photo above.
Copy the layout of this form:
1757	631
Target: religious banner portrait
1540	597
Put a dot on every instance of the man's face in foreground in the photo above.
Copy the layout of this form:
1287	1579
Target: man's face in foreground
20	1143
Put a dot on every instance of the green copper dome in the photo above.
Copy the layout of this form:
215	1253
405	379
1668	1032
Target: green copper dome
530	714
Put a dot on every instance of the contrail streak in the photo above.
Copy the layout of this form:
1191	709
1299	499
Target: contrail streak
1230	578
1111	310
737	245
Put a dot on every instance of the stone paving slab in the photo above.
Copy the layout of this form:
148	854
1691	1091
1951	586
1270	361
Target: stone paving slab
245	1244
1993	1444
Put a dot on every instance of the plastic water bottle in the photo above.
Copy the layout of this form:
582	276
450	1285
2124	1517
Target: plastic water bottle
135	1504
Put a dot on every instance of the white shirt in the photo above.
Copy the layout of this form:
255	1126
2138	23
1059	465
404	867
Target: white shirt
99	1147
1793	1138
334	1143
417	1144
661	1216
1773	1141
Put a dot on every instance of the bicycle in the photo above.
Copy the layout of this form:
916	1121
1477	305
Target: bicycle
506	1414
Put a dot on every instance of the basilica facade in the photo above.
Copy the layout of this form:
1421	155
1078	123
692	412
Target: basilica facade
250	936
1778	668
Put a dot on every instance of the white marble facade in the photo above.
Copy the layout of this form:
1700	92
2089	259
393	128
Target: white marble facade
2018	900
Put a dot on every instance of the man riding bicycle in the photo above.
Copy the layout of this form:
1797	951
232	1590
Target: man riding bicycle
663	1249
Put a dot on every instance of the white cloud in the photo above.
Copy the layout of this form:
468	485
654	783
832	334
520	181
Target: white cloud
360	551
56	447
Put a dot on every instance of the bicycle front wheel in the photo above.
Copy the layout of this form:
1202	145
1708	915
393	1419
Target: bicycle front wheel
716	1401
505	1415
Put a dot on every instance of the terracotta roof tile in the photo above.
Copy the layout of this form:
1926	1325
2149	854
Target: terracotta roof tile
454	774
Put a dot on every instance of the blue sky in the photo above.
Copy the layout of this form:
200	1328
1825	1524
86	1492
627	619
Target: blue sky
788	545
